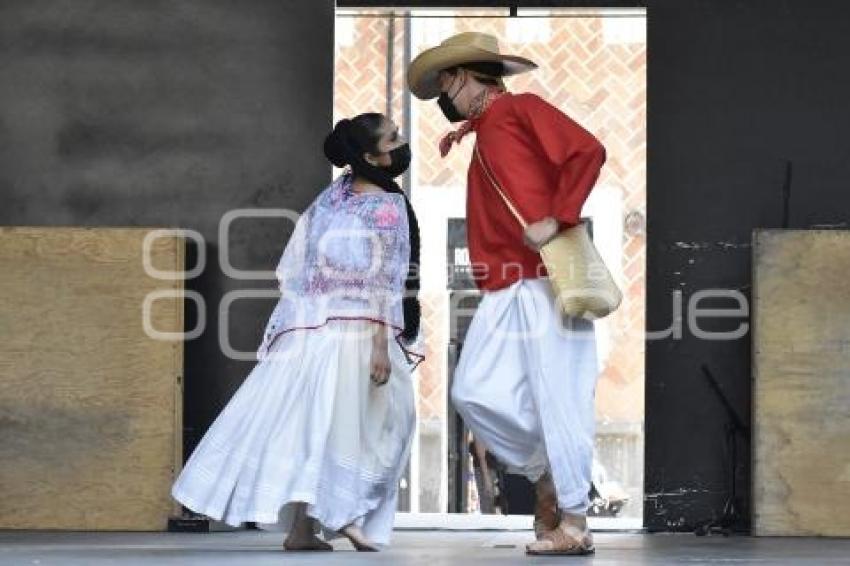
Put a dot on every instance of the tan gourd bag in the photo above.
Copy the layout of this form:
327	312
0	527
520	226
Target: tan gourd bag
581	281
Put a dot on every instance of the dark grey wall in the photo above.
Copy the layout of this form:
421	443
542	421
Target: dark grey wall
167	113
735	90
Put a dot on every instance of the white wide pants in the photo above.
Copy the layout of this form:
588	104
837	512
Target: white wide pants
525	385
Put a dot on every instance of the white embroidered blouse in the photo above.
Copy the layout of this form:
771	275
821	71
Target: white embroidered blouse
346	259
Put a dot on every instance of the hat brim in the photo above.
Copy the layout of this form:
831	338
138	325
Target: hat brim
425	68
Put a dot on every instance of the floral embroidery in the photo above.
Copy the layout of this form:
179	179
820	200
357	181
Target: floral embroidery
347	258
386	215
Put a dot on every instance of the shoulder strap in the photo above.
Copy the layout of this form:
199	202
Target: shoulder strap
496	186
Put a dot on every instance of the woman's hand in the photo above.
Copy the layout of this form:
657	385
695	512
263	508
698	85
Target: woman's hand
538	233
379	366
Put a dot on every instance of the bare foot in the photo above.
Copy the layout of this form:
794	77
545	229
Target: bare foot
310	542
302	537
358	539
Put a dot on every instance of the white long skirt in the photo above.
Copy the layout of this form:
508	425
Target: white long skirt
308	425
525	385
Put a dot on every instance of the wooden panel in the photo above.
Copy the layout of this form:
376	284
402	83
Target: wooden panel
90	405
801	372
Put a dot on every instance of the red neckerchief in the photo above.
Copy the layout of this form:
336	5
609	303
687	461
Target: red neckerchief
453	137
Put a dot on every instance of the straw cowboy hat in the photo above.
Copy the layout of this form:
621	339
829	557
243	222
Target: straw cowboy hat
466	47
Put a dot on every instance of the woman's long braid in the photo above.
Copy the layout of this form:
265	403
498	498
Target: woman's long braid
411	306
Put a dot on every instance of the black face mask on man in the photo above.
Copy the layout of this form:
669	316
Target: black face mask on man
447	105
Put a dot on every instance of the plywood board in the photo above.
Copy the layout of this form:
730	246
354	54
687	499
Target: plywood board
90	405
801	379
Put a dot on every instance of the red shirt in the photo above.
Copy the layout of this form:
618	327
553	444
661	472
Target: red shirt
545	163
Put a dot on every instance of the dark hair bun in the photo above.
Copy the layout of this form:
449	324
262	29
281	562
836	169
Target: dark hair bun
335	145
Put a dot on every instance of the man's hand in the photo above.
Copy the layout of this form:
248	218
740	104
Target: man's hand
539	233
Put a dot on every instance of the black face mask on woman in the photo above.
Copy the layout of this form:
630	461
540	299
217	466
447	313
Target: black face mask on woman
399	160
447	105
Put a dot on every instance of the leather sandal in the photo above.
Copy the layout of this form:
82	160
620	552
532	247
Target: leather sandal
564	540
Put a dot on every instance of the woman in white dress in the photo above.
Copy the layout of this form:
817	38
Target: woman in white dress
318	435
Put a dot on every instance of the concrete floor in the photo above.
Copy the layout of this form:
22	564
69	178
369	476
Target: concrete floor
431	548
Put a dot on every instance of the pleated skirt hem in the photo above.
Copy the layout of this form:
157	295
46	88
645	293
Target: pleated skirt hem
312	428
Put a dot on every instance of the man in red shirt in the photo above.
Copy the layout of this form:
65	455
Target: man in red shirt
526	378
